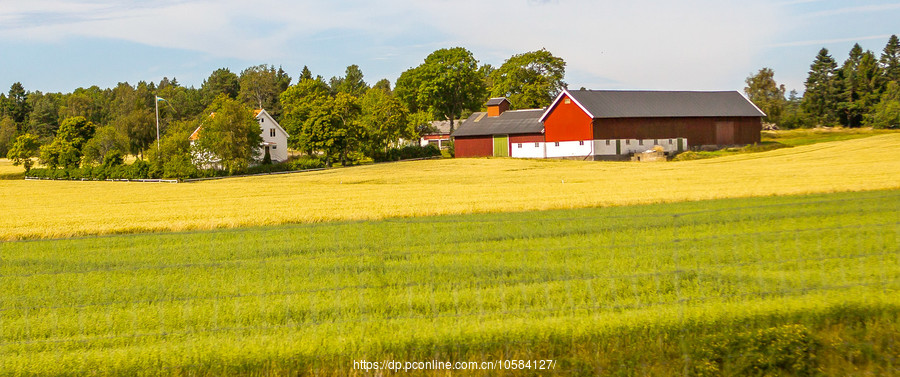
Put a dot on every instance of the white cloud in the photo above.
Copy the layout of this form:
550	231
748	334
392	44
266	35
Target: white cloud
693	44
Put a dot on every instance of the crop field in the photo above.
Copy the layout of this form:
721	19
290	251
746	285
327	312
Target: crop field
56	209
787	285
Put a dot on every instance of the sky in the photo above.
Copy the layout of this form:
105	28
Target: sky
60	45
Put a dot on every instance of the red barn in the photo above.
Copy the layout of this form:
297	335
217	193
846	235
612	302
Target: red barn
609	124
500	132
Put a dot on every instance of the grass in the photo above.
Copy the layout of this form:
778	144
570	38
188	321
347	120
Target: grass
53	209
795	285
8	171
807	136
772	140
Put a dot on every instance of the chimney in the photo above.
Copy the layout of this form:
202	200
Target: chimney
496	106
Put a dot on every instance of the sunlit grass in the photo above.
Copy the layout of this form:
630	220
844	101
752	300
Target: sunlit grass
50	209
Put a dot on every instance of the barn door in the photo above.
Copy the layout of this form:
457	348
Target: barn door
501	145
725	133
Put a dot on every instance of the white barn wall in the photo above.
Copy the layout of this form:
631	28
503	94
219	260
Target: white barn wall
570	149
528	150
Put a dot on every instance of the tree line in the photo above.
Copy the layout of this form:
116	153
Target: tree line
342	119
864	91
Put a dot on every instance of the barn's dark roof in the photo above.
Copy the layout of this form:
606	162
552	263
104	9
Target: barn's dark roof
496	101
651	104
508	123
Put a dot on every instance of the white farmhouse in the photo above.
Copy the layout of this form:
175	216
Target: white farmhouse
274	139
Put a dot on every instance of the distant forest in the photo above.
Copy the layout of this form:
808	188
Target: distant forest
864	91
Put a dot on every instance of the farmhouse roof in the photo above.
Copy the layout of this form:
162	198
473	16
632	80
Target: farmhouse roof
509	122
655	104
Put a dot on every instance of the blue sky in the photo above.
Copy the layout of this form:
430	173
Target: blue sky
60	45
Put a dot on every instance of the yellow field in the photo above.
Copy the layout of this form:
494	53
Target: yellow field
41	209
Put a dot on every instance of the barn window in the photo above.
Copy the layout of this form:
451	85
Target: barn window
520	145
537	145
556	144
567	101
272	132
580	142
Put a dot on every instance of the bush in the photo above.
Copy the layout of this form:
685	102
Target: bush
307	163
408	152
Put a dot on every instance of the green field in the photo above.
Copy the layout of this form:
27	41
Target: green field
791	285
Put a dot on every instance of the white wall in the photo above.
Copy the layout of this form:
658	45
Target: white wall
528	150
570	149
628	146
278	143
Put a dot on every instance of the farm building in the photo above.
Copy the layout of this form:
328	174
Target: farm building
273	135
608	124
438	134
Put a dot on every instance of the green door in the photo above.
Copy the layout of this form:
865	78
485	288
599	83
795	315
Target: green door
501	145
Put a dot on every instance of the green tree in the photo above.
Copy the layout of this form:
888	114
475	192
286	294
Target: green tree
305	74
174	159
44	118
529	80
8	134
766	94
860	79
886	114
76	130
221	82
890	60
91	103
383	85
820	99
321	122
261	87
17	104
298	103
384	120
106	140
351	83
60	153
230	135
23	150
446	84
793	115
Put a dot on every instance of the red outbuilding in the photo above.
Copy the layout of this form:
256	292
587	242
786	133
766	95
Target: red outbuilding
611	124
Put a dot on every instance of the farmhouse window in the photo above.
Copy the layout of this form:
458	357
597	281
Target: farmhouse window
262	120
580	142
641	142
628	142
607	142
556	144
537	145
272	132
520	145
274	147
670	141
